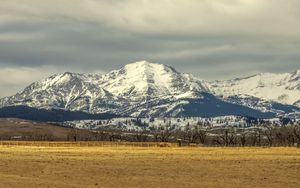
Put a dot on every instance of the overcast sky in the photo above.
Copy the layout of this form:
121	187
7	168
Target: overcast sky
215	39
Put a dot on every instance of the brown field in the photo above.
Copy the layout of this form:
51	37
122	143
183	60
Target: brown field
123	166
18	127
12	127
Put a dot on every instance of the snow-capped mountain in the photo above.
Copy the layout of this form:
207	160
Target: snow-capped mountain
144	81
64	91
281	88
148	89
125	91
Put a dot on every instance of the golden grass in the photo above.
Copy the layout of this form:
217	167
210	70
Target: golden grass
31	166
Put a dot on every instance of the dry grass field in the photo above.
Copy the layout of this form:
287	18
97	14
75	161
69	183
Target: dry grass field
12	127
123	166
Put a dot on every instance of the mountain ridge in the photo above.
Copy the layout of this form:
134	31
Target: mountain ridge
151	89
283	87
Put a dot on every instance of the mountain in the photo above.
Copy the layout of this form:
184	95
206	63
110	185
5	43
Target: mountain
52	115
144	89
144	81
68	91
280	88
117	91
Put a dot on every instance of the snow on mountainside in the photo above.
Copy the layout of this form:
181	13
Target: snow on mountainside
127	91
143	80
149	89
70	91
281	88
133	124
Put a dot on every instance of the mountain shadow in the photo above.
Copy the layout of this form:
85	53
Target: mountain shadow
53	115
211	106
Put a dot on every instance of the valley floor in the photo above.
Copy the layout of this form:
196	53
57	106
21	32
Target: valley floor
31	166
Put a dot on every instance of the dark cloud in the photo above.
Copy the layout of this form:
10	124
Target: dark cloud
213	39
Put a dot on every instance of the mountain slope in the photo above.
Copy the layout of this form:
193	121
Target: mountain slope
132	84
281	88
211	106
52	115
150	90
68	91
143	80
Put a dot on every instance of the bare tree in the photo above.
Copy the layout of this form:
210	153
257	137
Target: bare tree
190	134
243	139
202	135
162	133
296	132
232	139
255	137
141	136
269	134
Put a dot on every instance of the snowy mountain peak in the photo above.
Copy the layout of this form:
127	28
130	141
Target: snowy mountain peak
282	87
296	74
144	89
144	80
145	67
142	63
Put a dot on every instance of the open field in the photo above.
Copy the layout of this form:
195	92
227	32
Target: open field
31	166
11	127
18	129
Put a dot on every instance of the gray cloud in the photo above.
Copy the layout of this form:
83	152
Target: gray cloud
213	39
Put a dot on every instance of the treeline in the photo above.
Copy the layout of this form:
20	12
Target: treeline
262	135
204	134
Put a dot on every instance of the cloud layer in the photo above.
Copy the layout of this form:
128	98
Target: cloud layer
214	39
